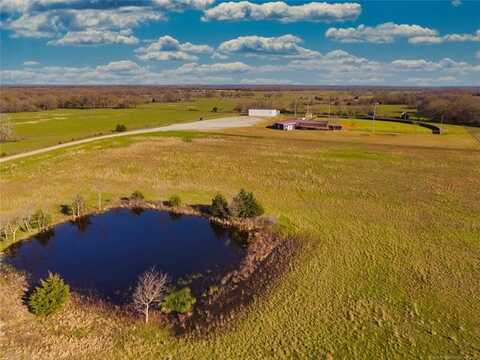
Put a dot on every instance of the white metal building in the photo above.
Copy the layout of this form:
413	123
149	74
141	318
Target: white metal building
263	112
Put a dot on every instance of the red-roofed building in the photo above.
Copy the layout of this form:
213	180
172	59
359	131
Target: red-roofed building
291	124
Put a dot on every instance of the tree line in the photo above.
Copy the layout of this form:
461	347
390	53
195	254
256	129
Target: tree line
19	99
456	106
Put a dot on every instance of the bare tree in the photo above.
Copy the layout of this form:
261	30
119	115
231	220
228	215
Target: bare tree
150	291
40	220
26	221
99	200
78	207
9	228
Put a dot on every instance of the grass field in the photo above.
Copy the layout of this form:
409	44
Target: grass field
45	128
390	268
36	130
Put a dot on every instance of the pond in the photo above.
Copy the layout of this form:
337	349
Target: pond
103	255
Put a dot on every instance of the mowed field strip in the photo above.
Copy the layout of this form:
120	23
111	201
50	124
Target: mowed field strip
205	125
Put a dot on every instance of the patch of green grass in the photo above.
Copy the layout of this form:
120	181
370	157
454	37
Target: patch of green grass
46	128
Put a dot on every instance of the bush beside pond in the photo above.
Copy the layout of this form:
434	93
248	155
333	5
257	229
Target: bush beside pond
175	201
179	301
49	296
219	207
137	195
244	205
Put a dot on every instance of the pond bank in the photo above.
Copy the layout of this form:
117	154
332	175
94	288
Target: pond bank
221	295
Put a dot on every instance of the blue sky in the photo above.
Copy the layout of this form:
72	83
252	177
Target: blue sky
403	43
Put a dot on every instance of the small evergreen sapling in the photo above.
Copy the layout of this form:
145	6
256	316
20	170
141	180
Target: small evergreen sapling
219	207
244	205
49	296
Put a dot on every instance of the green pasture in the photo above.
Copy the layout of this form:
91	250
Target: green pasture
389	225
46	128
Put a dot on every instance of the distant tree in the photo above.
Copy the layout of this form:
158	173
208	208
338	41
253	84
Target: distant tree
149	291
179	301
219	207
120	128
244	205
6	129
215	109
49	296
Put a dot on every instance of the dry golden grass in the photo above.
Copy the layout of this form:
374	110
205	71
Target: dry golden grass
391	271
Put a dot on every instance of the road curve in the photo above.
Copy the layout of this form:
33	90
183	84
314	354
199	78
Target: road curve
215	124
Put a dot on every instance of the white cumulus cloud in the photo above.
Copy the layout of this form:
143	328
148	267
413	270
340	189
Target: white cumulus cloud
388	32
169	48
125	67
80	21
281	11
183	4
445	38
445	66
284	46
96	37
55	22
380	34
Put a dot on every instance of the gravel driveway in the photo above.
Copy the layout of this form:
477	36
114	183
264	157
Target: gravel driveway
215	124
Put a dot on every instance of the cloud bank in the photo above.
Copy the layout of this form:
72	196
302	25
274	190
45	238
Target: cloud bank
334	67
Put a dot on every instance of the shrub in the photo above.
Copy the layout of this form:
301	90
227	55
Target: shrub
179	301
244	205
120	128
137	195
175	201
219	207
49	296
215	109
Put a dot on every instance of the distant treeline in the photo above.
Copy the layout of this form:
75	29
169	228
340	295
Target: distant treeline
37	98
449	106
453	106
456	106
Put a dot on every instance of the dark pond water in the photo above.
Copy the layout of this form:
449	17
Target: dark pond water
103	255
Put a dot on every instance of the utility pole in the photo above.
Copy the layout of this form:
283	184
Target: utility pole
374	115
295	106
329	107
